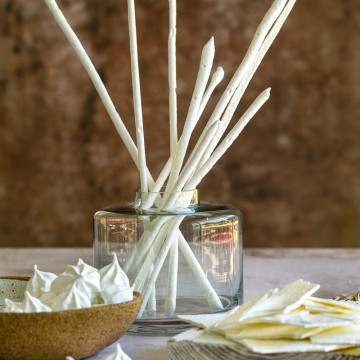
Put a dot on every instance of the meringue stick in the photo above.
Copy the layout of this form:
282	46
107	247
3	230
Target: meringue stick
145	264
151	305
97	82
229	139
252	67
172	78
207	58
216	79
158	264
137	96
171	290
190	166
225	144
259	36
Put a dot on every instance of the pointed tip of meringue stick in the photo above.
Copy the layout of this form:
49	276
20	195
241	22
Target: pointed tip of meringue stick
228	140
250	57
218	74
209	48
206	61
135	76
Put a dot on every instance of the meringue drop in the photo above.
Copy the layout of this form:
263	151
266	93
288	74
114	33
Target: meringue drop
86	277
115	286
118	354
12	306
40	282
72	298
30	304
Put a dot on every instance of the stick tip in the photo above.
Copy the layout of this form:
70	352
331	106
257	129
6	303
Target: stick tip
219	73
210	44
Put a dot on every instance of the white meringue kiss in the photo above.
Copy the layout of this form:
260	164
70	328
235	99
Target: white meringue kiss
115	287
72	298
117	354
40	282
87	280
30	304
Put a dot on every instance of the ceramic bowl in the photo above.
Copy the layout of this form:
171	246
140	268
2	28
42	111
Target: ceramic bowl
54	335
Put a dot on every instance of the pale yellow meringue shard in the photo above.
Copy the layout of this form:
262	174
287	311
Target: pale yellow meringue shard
270	331
287	346
316	304
238	314
203	320
349	334
273	302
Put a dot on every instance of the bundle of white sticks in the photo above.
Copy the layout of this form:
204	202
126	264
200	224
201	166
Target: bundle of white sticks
162	236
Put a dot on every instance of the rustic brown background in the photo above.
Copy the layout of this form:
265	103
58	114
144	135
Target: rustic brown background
294	172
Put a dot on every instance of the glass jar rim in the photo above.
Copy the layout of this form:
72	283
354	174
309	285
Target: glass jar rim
167	201
164	192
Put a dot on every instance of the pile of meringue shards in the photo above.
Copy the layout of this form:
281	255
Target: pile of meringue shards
286	323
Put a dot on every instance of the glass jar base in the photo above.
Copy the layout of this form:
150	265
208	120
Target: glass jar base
164	326
157	327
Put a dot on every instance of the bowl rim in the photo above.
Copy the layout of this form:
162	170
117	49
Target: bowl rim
137	298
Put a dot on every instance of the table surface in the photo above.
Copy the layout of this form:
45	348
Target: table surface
335	269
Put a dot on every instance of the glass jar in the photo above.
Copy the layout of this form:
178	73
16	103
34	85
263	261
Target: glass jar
183	255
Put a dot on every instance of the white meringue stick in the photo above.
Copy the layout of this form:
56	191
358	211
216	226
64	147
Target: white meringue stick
172	229
143	267
146	243
251	54
216	79
229	139
96	80
199	274
252	67
137	96
190	166
207	58
171	290
172	78
151	305
171	201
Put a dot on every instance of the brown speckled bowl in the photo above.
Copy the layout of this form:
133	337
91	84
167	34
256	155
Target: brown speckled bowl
53	336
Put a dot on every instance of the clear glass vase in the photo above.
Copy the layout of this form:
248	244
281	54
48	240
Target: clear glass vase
185	256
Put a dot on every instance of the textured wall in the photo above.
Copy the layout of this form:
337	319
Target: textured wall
294	172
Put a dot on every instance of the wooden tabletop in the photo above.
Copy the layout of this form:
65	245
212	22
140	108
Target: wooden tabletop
337	270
